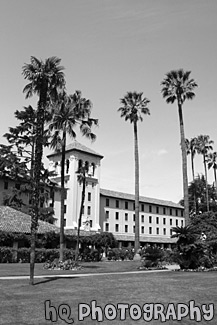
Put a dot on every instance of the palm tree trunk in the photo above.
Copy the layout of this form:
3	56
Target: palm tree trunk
62	199
36	181
215	181
80	216
136	152
184	164
207	194
192	167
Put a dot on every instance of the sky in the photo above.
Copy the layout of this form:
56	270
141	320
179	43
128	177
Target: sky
110	47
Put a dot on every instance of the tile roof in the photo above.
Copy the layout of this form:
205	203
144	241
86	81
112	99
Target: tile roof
144	199
12	220
146	239
75	145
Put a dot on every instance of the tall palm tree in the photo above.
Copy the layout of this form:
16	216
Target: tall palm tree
212	163
204	145
68	113
191	146
82	175
132	109
45	78
177	86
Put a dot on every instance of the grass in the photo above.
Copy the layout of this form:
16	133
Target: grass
21	304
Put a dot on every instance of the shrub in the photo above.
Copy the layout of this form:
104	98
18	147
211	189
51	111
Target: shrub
152	256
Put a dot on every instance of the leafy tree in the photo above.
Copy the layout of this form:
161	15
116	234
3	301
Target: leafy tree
132	109
45	78
68	113
204	145
177	86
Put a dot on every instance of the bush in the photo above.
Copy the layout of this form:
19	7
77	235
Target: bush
152	256
120	254
6	255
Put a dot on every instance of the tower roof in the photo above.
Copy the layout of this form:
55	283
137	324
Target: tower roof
77	146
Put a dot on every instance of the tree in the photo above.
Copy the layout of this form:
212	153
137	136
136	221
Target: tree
191	147
68	113
212	163
45	78
177	86
204	145
132	109
82	174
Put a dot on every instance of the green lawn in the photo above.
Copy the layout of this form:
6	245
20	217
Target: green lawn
22	304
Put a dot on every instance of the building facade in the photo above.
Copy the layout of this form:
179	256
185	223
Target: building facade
110	211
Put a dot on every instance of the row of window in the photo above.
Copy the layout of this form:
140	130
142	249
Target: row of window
143	218
152	209
150	229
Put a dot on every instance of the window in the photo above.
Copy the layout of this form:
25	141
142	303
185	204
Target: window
89	196
65	207
64	222
107	202
126	216
134	229
107	214
116	215
142	218
157	220
171	212
91	223
176	213
116	227
157	231
157	209
67	166
171	222
164	230
171	232
177	222
164	221
89	210
142	229
150	208
107	227
182	223
65	194
133	206
126	205
134	217
5	185
150	230
150	219
117	204
182	213
126	228
142	208
164	210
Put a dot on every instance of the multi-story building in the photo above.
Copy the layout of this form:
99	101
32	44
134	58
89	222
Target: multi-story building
111	211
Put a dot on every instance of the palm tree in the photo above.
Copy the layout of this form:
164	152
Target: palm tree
69	112
212	162
133	106
204	145
191	147
45	78
82	174
177	85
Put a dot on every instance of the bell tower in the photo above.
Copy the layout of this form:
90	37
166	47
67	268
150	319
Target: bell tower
77	155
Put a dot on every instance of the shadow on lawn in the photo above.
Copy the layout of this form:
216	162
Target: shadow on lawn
48	279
